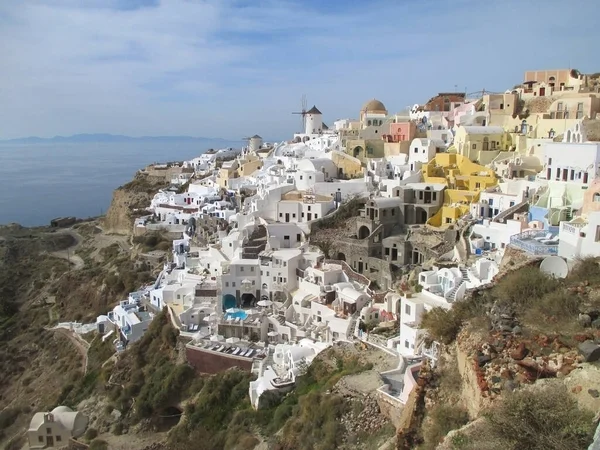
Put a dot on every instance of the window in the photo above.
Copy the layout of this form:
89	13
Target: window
477	185
251	269
549	161
512	204
309	208
253	283
448	220
406	344
58	438
233	284
474	146
316	216
598	233
393	212
301	177
416	150
298	237
491	201
597	197
242	269
274	278
40	438
310	177
285	264
407	309
48	430
579	111
383	212
280	214
286	238
267	273
559	106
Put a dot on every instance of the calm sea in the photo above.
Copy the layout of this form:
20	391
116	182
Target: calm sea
42	181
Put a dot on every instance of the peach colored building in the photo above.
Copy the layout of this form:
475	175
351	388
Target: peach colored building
401	131
591	198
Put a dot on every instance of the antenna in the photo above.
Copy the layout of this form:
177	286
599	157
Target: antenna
302	113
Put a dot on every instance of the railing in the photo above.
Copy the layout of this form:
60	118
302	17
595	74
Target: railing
526	241
572	228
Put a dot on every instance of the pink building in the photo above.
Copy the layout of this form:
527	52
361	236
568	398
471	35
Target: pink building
401	131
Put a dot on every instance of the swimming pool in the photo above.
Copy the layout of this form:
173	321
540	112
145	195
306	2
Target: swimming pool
242	315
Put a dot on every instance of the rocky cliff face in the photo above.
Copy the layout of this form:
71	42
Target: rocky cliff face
128	198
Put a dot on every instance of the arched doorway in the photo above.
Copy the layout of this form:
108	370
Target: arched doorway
229	302
357	151
248	300
421	216
340	256
363	232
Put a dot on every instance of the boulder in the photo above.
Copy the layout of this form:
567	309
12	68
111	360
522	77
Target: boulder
589	350
520	352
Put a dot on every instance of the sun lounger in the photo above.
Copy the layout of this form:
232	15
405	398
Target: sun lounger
546	237
553	241
236	351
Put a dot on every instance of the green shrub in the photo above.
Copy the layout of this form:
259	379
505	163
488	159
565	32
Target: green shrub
91	434
98	444
545	418
442	419
443	324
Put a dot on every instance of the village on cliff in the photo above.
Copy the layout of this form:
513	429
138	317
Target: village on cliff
431	201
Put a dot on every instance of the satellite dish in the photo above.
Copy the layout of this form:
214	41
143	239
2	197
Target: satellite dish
554	266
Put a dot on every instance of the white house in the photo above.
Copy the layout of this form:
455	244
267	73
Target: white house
128	319
580	238
422	151
571	162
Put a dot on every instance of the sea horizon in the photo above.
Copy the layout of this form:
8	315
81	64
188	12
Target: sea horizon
42	181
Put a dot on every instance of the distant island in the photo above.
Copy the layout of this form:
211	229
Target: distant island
104	137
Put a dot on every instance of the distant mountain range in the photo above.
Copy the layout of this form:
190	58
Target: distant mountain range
104	137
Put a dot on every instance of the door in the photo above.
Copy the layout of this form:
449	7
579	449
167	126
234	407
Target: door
542	91
309	216
50	441
287	217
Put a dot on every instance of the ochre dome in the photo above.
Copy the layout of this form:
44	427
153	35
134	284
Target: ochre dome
374	106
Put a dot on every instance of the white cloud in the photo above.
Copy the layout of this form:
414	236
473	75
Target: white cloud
188	67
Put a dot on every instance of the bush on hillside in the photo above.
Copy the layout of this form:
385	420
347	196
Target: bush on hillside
441	420
543	418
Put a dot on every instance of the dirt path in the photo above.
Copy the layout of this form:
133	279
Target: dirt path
81	345
69	252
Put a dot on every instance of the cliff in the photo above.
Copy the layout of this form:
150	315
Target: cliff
129	199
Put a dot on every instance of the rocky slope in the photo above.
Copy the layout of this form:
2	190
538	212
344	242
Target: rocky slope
128	199
519	368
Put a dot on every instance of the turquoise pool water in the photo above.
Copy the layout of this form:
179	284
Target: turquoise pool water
242	315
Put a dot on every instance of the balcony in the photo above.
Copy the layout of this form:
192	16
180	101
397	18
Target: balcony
535	242
572	228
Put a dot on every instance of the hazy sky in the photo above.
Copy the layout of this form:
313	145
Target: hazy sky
225	68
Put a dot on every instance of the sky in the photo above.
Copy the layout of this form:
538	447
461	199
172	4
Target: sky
233	68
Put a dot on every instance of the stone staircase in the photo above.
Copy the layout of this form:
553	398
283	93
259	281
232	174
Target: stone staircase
256	243
465	277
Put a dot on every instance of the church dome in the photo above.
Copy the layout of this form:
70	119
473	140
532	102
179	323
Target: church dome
374	106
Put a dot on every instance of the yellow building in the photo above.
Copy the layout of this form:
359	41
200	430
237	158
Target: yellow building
249	164
347	165
227	171
465	181
240	167
481	144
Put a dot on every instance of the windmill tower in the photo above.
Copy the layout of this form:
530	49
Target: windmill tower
302	114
